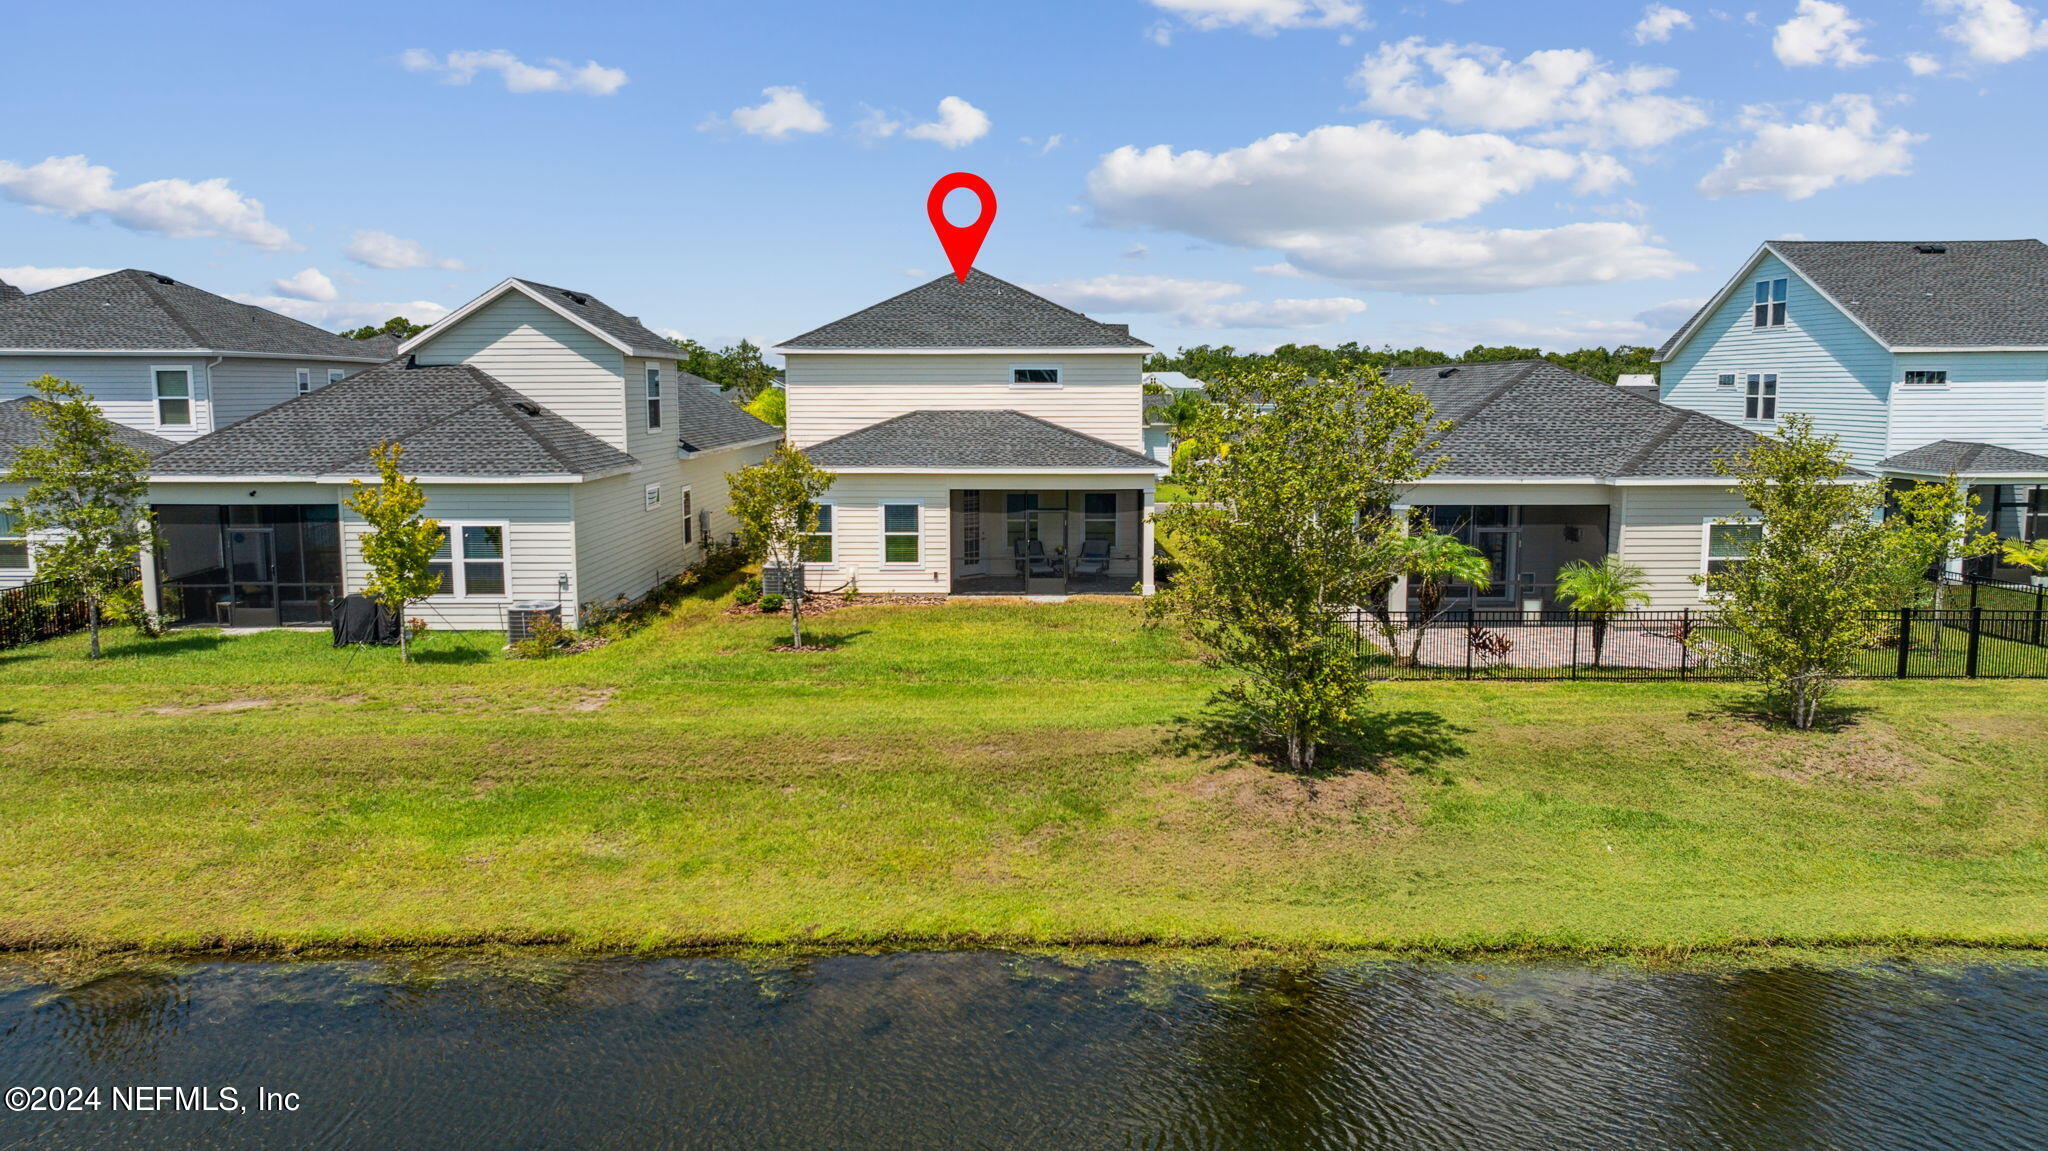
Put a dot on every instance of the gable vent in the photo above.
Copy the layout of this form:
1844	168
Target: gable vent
524	408
1930	249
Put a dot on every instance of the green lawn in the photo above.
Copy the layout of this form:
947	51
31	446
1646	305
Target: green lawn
978	771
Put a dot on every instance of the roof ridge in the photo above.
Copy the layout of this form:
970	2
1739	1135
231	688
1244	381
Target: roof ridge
497	390
1063	428
148	285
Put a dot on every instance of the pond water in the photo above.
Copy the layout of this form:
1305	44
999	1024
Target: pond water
991	1049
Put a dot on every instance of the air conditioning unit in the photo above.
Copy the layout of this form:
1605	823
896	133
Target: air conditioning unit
520	618
776	579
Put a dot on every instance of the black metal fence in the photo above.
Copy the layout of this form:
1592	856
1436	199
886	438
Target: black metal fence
1916	643
37	611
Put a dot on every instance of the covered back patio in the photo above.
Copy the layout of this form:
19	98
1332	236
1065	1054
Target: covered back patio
1526	545
1059	541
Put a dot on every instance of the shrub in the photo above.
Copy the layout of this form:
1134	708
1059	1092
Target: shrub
852	591
545	639
771	602
749	593
607	617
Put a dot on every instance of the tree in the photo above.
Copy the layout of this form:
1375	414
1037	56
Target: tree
738	368
1602	590
1806	600
1204	361
1288	528
1436	561
776	502
398	326
2027	555
400	545
85	507
771	406
1931	526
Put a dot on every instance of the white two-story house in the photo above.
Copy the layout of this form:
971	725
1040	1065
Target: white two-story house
166	361
983	439
1924	359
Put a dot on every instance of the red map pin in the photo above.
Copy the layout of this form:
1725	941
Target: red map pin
962	243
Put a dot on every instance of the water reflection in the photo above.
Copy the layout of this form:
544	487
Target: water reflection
995	1049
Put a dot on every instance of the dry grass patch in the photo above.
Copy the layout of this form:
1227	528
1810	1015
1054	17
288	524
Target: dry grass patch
1860	753
1262	799
249	704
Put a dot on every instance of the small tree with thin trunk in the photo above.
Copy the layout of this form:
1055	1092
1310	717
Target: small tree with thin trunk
86	507
776	502
1600	591
1805	602
1435	561
1930	526
1288	529
400	544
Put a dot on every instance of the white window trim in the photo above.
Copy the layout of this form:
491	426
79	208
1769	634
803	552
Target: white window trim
1787	301
1734	379
651	392
882	534
832	534
455	575
336	375
1940	387
1707	526
156	396
688	504
650	497
305	376
1059	377
1777	396
30	552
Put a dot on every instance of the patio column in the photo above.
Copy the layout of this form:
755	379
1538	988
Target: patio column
152	595
1397	596
1146	577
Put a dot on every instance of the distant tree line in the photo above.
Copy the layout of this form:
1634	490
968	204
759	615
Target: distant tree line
1206	362
398	326
738	368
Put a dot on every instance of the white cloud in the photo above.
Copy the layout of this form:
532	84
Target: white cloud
589	78
1195	303
1839	142
1570	93
1993	31
1820	32
1355	203
1043	146
307	284
875	124
958	125
384	250
1658	23
1920	64
339	313
1262	17
1136	252
29	278
1568	331
181	209
786	111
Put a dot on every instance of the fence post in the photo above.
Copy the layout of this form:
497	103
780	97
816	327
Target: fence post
1575	643
2040	609
1471	633
1684	648
1973	595
1905	639
1976	626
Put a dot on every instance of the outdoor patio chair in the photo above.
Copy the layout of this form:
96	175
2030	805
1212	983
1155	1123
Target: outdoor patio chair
1031	558
1094	558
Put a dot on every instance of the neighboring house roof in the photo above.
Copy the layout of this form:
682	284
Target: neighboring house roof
20	427
621	331
137	311
1178	381
10	292
1916	294
984	312
383	345
999	440
1965	458
706	420
1532	418
453	420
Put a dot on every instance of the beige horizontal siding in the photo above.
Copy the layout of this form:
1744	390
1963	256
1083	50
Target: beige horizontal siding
831	395
543	357
1663	531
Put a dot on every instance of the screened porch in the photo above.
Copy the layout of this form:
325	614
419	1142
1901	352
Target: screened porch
1046	542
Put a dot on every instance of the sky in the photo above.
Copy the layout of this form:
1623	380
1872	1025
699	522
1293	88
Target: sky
1245	172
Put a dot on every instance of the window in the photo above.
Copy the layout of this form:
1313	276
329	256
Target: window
1725	380
305	380
334	375
13	546
1098	517
817	547
173	397
2034	527
654	397
1770	303
480	571
1761	401
1926	379
652	499
899	533
1728	544
1034	376
689	521
970	527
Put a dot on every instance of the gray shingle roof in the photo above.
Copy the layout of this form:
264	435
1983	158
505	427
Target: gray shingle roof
133	310
626	329
1965	458
973	439
984	312
1968	294
19	426
1533	418
10	292
706	420
453	419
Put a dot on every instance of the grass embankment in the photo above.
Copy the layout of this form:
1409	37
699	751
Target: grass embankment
973	772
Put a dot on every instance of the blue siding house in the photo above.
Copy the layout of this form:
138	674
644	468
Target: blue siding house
1924	359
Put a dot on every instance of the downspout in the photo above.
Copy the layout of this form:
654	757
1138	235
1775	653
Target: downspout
210	423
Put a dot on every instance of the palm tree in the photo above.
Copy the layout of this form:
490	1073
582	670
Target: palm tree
1600	590
1435	561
